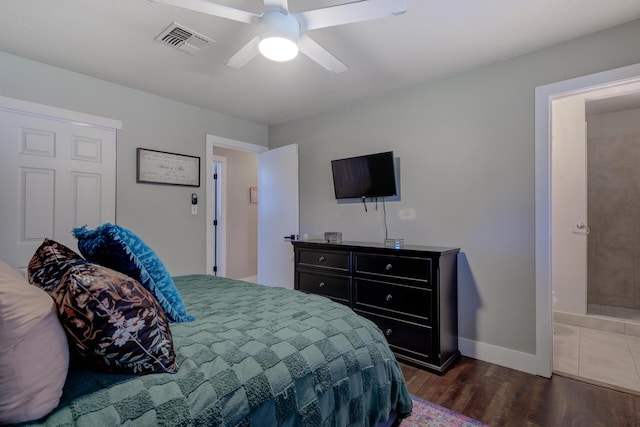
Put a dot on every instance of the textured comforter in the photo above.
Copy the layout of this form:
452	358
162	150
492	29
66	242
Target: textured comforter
255	356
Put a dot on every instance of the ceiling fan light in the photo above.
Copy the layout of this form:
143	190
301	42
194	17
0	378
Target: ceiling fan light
279	36
278	49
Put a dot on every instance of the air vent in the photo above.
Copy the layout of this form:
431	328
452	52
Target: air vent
183	38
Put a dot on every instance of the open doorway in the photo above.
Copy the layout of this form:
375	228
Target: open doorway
561	113
278	208
232	217
594	210
237	219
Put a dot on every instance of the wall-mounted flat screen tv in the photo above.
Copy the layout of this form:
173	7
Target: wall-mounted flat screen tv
364	176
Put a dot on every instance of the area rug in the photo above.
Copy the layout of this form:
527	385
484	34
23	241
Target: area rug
429	414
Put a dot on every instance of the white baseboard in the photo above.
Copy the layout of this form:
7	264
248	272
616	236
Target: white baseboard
506	357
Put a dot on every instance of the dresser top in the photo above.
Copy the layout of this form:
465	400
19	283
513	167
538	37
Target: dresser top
379	247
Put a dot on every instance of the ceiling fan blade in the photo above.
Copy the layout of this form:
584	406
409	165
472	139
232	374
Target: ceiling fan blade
246	54
313	50
276	5
365	10
204	6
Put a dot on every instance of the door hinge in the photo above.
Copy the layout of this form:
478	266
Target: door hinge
215	268
215	222
215	176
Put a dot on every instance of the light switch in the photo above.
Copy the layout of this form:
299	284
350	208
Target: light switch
194	204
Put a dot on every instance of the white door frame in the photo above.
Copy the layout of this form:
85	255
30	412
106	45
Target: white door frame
544	95
47	111
219	141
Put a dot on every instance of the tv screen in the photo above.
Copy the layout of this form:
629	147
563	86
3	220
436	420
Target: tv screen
364	176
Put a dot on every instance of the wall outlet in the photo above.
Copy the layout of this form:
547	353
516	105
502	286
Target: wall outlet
194	209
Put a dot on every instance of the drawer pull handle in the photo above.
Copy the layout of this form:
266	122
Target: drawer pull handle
389	297
321	259
388	267
388	332
321	285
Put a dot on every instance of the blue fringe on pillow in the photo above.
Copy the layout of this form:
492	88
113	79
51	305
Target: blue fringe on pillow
120	249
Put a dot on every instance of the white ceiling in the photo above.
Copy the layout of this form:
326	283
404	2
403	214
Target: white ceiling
114	40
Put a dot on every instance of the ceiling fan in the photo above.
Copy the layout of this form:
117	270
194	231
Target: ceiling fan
283	34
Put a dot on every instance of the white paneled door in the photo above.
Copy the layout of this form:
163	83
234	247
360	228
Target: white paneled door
569	204
55	174
277	215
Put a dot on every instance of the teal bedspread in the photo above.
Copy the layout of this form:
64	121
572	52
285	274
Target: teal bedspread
255	356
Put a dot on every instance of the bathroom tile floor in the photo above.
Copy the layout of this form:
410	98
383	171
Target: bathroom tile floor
603	357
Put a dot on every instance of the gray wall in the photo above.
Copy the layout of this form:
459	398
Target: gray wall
242	216
159	214
466	149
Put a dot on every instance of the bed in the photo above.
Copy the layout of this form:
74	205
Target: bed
253	356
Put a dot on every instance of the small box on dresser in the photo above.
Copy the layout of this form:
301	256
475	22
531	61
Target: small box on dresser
410	293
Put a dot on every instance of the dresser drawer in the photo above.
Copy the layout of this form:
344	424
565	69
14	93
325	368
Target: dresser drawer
405	300
334	260
410	293
393	266
335	287
404	337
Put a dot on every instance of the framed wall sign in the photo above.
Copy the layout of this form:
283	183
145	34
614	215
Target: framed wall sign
160	167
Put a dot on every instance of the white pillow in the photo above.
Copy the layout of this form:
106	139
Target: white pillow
34	355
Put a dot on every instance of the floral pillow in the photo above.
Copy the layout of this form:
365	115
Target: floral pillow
120	249
113	321
50	262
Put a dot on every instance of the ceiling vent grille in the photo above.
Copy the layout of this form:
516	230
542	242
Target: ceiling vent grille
183	38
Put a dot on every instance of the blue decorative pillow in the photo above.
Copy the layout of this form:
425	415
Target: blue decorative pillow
121	250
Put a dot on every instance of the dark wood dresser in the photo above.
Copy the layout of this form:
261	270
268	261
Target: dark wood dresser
410	293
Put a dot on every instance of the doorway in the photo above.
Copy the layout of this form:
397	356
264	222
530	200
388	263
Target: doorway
232	219
606	85
278	208
593	234
239	221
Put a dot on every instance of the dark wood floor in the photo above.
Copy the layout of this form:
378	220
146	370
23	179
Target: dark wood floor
501	396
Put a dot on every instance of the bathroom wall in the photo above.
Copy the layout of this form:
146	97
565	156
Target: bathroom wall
613	209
